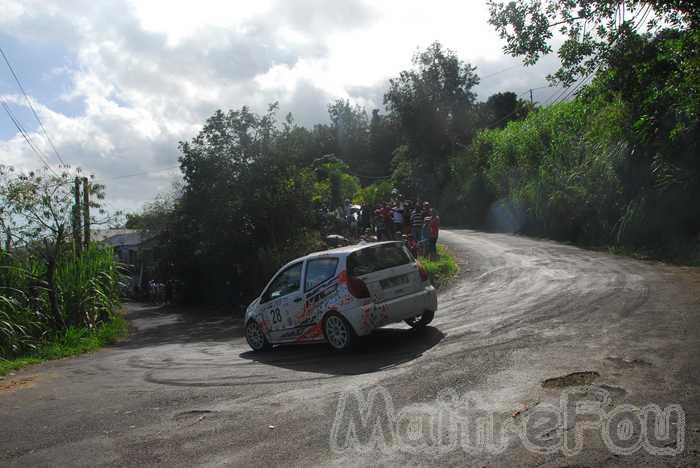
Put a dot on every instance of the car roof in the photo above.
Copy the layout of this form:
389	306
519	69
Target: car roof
339	251
346	250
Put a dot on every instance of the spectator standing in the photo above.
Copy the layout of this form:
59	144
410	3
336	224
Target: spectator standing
411	244
365	217
425	234
388	222
397	218
417	222
379	223
434	232
407	211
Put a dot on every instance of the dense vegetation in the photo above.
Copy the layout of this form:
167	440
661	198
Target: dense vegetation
55	291
616	165
594	170
619	165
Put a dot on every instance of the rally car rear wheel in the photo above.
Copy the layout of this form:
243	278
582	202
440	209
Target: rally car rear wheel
338	332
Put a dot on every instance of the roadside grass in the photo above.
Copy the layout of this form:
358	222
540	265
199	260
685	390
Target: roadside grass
71	342
442	269
682	257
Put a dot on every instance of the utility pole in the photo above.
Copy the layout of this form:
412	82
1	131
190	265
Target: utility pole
531	100
77	234
86	212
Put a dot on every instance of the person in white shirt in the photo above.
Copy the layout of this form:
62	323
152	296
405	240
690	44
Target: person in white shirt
397	218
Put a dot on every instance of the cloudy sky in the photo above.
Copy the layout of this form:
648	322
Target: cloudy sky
117	83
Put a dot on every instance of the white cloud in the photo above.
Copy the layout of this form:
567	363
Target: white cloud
150	72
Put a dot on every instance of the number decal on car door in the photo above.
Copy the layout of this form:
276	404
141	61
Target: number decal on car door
276	316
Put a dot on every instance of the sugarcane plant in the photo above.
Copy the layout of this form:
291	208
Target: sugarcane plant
49	280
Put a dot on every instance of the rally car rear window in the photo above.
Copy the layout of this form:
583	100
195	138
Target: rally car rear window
377	258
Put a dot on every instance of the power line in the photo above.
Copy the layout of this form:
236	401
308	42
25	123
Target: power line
580	83
31	106
143	173
643	13
517	109
24	134
567	92
499	72
558	93
538	88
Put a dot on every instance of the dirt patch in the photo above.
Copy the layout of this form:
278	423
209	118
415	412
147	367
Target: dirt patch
575	378
17	384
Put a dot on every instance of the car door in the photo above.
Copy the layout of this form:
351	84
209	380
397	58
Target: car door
281	302
320	286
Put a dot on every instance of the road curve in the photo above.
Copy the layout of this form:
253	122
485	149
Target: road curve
522	316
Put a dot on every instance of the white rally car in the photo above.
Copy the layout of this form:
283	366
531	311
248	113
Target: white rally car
338	295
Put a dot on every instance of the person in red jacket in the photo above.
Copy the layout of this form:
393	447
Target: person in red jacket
433	232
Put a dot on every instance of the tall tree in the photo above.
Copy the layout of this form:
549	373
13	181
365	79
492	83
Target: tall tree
351	130
384	137
591	28
246	205
501	108
432	102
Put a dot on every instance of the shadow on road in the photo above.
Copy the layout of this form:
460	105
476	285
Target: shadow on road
157	325
383	349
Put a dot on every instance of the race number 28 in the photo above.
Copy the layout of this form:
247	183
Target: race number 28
276	316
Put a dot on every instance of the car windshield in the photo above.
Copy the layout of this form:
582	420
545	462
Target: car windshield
377	258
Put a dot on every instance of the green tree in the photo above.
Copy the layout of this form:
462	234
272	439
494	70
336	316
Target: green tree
334	184
36	212
351	130
384	137
431	103
591	28
246	205
501	108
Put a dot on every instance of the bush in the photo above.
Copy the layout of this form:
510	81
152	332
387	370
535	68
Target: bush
441	269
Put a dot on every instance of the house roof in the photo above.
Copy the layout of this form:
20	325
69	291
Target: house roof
117	237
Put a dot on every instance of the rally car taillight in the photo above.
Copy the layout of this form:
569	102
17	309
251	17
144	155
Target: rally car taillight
423	273
357	288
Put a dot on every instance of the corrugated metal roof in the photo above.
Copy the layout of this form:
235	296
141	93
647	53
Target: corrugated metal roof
117	237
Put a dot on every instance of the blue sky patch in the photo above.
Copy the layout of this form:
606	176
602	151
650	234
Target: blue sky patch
45	69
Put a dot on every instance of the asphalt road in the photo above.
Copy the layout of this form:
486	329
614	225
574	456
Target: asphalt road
523	316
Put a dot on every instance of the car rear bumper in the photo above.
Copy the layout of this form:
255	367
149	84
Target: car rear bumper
395	310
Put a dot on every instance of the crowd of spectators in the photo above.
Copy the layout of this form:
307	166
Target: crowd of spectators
415	222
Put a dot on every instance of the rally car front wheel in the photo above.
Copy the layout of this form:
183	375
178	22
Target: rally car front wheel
256	338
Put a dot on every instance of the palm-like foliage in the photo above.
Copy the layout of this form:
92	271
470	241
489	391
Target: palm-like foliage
88	287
